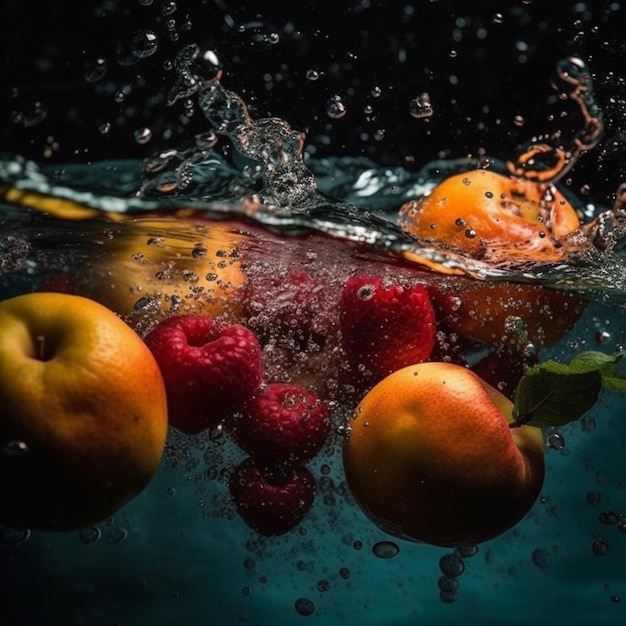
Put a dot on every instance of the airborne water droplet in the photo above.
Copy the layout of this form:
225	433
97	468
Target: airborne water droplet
421	107
335	108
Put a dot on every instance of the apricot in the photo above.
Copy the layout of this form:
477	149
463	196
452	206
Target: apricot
165	265
430	457
495	217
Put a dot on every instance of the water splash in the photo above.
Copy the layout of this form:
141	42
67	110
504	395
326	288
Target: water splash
547	162
270	142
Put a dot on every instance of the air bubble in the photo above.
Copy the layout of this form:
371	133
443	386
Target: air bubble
312	75
451	565
541	558
13	536
385	549
555	441
89	535
608	517
448	584
600	547
304	606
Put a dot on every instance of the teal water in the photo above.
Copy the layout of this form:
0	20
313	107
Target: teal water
178	554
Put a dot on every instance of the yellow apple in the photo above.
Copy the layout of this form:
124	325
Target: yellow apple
83	416
431	458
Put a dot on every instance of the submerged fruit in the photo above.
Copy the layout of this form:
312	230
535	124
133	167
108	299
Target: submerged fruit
430	457
83	416
493	217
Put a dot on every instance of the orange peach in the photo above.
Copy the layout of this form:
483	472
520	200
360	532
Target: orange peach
165	265
430	457
494	217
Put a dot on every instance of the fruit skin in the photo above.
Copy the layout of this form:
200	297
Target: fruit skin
271	504
210	368
385	326
82	393
499	313
156	267
495	217
430	457
283	424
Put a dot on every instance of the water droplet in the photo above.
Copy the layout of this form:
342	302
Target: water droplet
15	449
304	606
143	135
541	558
555	441
385	549
421	107
145	43
497	18
519	121
451	565
470	233
95	70
89	535
335	108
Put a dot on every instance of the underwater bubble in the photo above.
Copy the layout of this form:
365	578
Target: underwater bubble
608	517
323	586
519	121
600	547
541	558
556	441
344	572
168	7
451	565
13	536
603	336
448	597
421	107
312	75
304	606
594	497
588	423
30	115
89	535
466	552
335	108
385	549
448	584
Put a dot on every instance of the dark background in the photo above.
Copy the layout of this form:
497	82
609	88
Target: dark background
482	63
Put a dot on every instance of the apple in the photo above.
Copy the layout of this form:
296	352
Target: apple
211	369
83	415
430	457
271	503
283	424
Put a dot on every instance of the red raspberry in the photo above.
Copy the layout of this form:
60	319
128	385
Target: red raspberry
271	504
210	369
284	424
385	326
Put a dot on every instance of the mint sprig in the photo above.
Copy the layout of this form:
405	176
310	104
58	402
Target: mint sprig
554	394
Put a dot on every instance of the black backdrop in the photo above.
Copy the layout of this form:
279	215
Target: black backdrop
486	66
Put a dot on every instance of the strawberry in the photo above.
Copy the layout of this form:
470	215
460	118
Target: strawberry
271	503
385	326
210	369
284	424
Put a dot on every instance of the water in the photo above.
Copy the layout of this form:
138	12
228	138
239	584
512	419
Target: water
179	552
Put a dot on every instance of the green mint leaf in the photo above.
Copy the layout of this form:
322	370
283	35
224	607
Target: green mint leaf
554	394
612	378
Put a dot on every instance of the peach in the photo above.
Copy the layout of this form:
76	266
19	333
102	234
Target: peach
430	457
163	266
494	217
